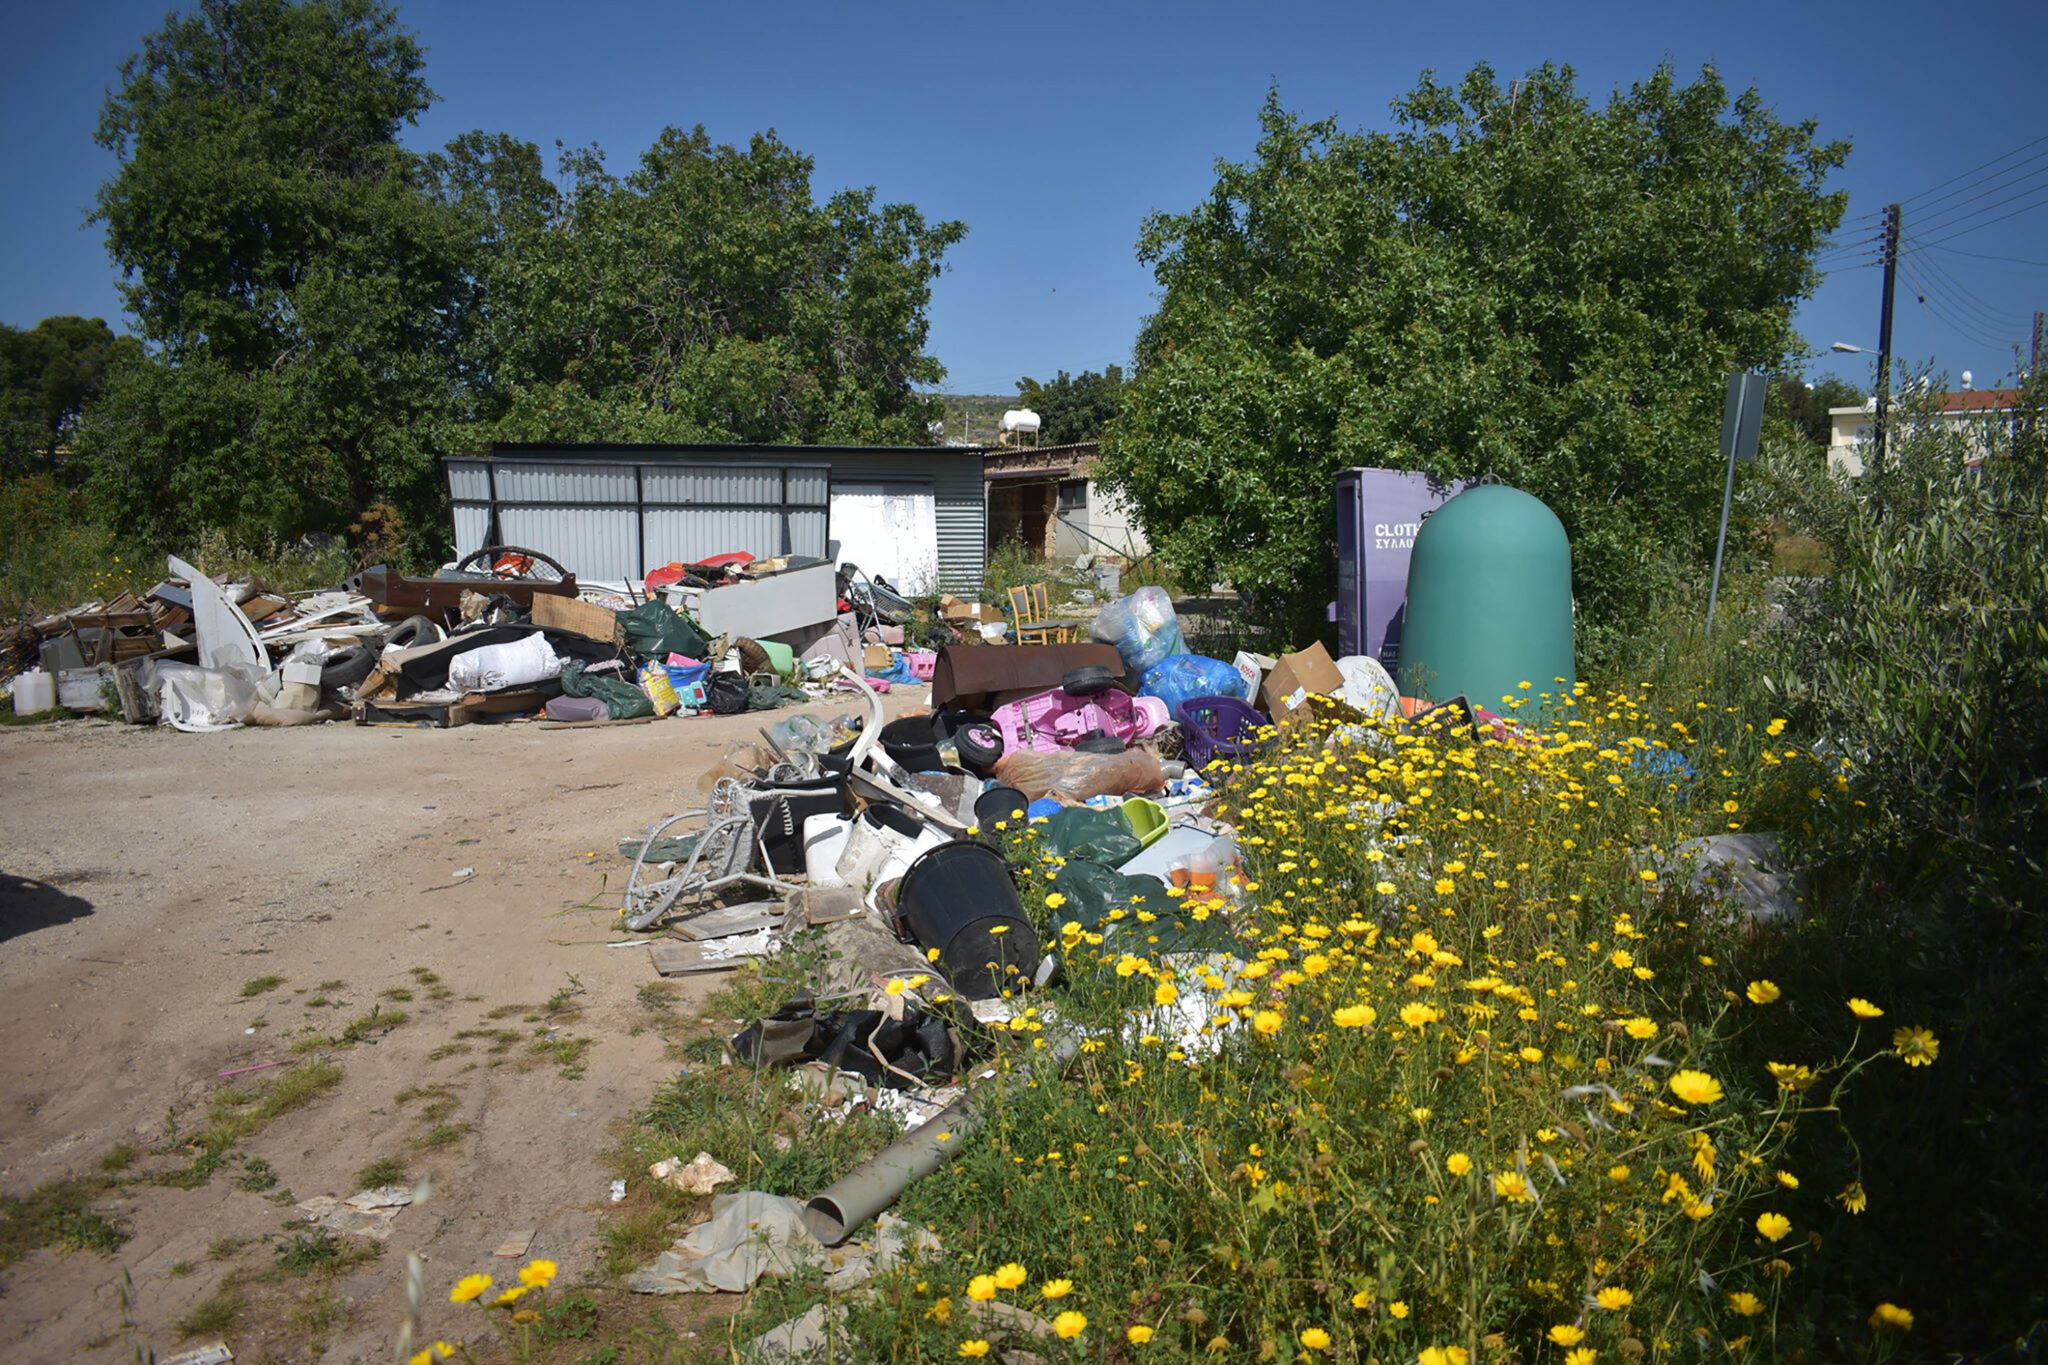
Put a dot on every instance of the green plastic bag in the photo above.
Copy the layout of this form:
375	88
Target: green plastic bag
1093	890
654	632
1100	836
622	700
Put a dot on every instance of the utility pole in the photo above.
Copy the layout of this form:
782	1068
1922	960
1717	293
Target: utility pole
1889	254
2034	360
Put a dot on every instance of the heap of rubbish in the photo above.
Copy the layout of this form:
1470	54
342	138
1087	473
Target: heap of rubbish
504	635
890	847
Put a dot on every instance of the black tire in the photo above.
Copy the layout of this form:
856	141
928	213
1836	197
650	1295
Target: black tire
347	668
1088	681
1099	743
980	745
414	630
540	569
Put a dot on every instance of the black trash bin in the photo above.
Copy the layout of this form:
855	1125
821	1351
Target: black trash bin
959	899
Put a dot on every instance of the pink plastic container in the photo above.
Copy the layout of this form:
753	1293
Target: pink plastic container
923	662
1054	721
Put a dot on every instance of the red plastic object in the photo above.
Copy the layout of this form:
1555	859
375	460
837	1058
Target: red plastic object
725	561
1054	721
657	579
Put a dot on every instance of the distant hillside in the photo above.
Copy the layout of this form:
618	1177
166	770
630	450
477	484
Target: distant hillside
976	416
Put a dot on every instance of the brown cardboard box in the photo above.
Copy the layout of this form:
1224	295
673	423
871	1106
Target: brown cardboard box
879	658
1294	677
577	617
953	609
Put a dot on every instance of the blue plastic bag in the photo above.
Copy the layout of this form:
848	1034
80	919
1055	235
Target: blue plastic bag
1183	676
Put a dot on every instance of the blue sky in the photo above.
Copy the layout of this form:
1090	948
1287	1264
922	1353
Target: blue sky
1052	130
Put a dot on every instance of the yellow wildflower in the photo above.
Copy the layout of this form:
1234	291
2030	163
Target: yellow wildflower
1315	1338
1457	1163
981	1288
537	1274
1011	1276
1056	1289
1890	1315
1614	1299
1138	1334
1565	1334
973	1349
1762	992
469	1288
1070	1324
1863	1009
1916	1046
1695	1087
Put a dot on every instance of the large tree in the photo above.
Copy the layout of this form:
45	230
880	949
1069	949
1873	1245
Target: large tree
1512	283
49	373
301	291
1074	407
707	295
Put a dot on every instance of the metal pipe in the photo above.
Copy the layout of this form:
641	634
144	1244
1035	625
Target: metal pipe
834	1212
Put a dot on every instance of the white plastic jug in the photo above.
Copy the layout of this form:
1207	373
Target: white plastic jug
34	691
825	838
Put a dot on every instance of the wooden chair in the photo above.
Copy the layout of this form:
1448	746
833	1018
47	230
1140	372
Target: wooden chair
1031	616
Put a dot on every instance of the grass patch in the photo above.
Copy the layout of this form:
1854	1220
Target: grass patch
335	985
397	993
447	1050
501	1040
565	1053
7	716
318	1313
511	1012
257	1176
425	977
321	1251
748	993
387	1170
213	1316
225	1248
378	1022
238	1113
635	1236
60	1216
442	1135
258	985
119	1159
178	1270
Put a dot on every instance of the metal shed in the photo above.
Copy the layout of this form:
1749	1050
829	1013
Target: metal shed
609	512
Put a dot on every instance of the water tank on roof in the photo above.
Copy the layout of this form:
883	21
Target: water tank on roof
1020	419
1489	600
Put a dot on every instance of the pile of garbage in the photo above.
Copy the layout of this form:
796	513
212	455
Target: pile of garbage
503	635
890	847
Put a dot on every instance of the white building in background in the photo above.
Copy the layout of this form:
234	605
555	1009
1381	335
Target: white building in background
1976	411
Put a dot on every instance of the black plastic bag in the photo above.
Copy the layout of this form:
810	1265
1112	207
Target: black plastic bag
727	693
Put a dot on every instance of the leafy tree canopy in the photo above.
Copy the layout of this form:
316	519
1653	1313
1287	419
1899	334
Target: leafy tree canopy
48	374
1806	405
708	295
1074	407
1512	283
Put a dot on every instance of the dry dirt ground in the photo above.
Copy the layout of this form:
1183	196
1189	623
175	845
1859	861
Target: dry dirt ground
148	879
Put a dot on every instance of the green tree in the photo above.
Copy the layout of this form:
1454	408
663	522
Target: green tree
1512	283
1074	407
705	296
49	373
301	290
1806	405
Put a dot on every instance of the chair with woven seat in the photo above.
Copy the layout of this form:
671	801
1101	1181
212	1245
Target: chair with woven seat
1031	617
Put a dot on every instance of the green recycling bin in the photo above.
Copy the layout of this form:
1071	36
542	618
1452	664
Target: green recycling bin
1489	600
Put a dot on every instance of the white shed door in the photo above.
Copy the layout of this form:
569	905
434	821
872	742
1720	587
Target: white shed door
891	530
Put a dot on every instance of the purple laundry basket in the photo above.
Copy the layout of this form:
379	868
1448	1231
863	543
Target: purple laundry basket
1218	727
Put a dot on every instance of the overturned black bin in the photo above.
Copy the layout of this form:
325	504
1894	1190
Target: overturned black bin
959	899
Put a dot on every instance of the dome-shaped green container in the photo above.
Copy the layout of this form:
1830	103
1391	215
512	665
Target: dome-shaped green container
1489	600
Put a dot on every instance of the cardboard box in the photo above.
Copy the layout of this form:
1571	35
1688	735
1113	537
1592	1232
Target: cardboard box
578	617
953	609
1294	677
878	658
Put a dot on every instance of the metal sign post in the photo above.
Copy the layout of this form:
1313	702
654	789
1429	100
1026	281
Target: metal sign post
1742	419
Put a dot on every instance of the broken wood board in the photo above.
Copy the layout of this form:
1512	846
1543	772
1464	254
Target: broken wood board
514	1246
729	920
676	958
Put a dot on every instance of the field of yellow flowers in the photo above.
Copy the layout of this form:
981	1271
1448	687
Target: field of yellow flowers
1481	1079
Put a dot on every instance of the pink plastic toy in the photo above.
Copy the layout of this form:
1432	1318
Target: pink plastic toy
923	663
1054	721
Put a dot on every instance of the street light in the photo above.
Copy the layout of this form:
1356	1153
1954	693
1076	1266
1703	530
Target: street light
1844	348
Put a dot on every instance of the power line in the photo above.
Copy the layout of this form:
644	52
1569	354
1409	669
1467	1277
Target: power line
1977	227
1950	216
1985	256
1962	295
1975	169
2000	179
1973	330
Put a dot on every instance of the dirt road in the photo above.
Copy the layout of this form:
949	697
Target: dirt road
480	1032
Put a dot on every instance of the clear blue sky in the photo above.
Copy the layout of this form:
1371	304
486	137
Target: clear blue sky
1052	130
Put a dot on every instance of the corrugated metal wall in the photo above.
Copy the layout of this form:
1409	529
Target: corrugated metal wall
598	509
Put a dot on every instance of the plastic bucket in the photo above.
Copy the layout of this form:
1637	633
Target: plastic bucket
959	899
34	693
1148	820
912	742
1000	804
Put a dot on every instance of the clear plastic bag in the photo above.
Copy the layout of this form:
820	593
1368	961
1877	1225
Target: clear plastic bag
1074	777
1143	627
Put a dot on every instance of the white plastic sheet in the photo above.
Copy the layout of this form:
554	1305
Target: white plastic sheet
202	700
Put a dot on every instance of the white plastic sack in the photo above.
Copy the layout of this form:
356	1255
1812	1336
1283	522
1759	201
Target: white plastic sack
1368	688
513	664
202	700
